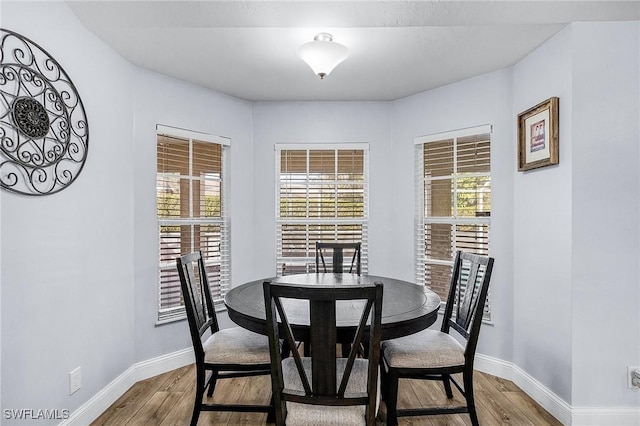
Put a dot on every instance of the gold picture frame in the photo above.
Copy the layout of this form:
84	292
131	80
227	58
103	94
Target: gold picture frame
538	135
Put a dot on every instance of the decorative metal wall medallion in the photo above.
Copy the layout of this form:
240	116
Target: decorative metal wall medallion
44	134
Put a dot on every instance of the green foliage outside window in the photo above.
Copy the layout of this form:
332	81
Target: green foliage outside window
169	206
474	195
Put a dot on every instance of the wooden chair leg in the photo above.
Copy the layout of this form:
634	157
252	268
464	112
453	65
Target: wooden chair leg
364	349
383	381
446	380
392	397
468	393
212	383
271	414
280	412
200	384
286	350
346	349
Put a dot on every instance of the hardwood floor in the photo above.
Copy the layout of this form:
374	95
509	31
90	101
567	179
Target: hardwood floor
167	399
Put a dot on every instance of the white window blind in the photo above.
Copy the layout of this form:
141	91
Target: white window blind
191	210
321	195
453	203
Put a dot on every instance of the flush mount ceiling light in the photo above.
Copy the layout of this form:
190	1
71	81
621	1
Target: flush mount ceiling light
323	54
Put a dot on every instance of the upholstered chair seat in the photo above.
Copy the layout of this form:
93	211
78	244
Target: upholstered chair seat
427	349
304	414
236	345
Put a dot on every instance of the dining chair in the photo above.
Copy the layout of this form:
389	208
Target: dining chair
337	261
227	353
322	389
437	355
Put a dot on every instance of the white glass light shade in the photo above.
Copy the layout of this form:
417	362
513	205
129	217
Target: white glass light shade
323	54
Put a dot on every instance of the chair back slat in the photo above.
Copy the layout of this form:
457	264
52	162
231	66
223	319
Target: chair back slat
197	297
467	295
289	338
323	346
326	386
357	341
337	257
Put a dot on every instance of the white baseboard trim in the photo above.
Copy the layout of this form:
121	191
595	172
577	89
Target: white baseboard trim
567	415
558	408
94	407
90	410
599	416
164	363
543	396
493	366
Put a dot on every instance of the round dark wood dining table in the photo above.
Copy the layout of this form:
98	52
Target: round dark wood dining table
406	307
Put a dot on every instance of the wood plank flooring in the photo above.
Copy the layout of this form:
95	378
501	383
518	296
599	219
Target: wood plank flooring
167	399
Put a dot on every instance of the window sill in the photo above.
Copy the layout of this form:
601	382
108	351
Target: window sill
165	321
484	320
183	316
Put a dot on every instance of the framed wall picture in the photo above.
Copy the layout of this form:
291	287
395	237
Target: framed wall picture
538	136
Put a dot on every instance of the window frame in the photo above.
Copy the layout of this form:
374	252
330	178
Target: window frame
218	287
310	221
421	218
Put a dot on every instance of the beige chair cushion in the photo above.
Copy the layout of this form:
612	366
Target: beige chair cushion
306	415
426	349
236	346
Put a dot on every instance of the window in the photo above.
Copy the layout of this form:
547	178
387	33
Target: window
191	209
321	195
453	202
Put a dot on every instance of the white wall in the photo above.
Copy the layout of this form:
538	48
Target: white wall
163	100
542	301
605	231
78	268
478	101
576	229
66	266
320	122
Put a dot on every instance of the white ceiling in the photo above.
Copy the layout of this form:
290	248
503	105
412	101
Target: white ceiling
397	48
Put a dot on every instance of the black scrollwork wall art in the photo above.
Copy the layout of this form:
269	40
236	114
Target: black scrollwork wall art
44	134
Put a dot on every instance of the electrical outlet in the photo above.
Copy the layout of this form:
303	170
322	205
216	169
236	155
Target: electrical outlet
75	380
633	377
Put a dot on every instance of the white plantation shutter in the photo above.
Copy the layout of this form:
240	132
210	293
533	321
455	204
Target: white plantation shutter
321	195
453	203
191	211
